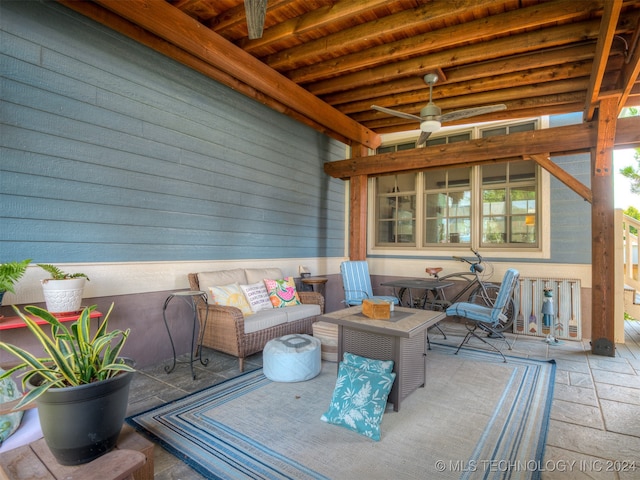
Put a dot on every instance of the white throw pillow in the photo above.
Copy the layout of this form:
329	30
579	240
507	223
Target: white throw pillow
257	296
231	295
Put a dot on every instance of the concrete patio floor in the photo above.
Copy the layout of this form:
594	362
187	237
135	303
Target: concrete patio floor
594	428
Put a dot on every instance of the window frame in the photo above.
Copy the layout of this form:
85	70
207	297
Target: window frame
541	251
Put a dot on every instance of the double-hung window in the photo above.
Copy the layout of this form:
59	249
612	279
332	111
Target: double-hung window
448	206
396	209
509	204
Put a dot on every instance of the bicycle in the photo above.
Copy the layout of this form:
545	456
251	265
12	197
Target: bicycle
481	292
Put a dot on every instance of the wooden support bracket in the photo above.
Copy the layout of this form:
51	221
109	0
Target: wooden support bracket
545	162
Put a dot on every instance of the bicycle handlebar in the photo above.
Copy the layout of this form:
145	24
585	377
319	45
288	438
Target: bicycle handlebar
475	266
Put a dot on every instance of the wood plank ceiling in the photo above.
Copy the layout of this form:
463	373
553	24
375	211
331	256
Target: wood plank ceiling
325	62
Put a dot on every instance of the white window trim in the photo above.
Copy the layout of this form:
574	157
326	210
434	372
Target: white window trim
543	251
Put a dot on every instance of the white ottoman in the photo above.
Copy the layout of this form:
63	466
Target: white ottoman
292	358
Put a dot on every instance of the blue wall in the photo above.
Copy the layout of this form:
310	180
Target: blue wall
114	153
570	213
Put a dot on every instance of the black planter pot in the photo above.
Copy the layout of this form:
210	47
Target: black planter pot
82	423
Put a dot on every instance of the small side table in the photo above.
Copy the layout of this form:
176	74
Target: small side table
190	297
318	284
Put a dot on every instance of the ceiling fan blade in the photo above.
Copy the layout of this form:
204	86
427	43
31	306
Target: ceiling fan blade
397	113
471	112
255	11
422	138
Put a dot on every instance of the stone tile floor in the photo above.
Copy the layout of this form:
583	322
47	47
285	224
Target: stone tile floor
594	428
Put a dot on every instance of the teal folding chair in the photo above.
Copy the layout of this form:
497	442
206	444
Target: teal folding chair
487	318
357	284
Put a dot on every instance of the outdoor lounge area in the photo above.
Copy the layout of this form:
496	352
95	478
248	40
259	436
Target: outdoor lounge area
191	163
593	421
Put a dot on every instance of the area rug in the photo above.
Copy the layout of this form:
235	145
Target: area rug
477	417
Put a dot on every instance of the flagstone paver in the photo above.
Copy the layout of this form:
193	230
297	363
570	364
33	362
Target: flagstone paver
578	413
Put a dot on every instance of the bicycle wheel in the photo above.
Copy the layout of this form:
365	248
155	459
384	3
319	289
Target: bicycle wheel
478	296
413	299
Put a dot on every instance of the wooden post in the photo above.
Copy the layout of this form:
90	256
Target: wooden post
358	217
358	209
603	233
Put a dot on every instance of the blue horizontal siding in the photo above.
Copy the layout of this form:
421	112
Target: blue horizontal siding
570	213
111	152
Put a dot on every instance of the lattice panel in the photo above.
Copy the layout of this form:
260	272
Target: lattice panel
566	322
367	344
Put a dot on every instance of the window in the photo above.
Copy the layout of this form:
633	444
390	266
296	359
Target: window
396	209
448	206
509	204
397	147
488	206
453	138
507	129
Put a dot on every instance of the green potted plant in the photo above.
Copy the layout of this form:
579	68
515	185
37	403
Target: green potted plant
10	273
80	386
63	291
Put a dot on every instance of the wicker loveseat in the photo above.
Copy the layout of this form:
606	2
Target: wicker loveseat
228	330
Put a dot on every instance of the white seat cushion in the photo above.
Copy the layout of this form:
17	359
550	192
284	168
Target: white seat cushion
264	319
298	312
275	316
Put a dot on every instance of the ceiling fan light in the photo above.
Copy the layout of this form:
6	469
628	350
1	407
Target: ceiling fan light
430	126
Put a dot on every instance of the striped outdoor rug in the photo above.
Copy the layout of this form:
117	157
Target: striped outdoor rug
477	417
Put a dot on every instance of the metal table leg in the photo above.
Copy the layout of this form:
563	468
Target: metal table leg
190	297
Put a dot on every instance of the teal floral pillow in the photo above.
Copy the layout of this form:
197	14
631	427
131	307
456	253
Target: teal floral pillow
10	422
359	400
368	364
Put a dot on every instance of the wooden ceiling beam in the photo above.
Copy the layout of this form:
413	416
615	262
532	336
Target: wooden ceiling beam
608	24
553	141
359	37
631	69
319	18
533	77
527	42
435	41
119	24
169	23
562	58
487	98
236	16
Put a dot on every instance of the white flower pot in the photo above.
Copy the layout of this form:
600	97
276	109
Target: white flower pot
62	296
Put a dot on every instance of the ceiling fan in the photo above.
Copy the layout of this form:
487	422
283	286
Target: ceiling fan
431	118
255	11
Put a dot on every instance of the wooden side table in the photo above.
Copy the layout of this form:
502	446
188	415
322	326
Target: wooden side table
131	460
318	284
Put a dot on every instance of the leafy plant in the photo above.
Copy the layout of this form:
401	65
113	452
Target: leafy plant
10	273
74	357
57	274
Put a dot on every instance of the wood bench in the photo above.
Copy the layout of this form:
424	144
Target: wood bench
131	460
